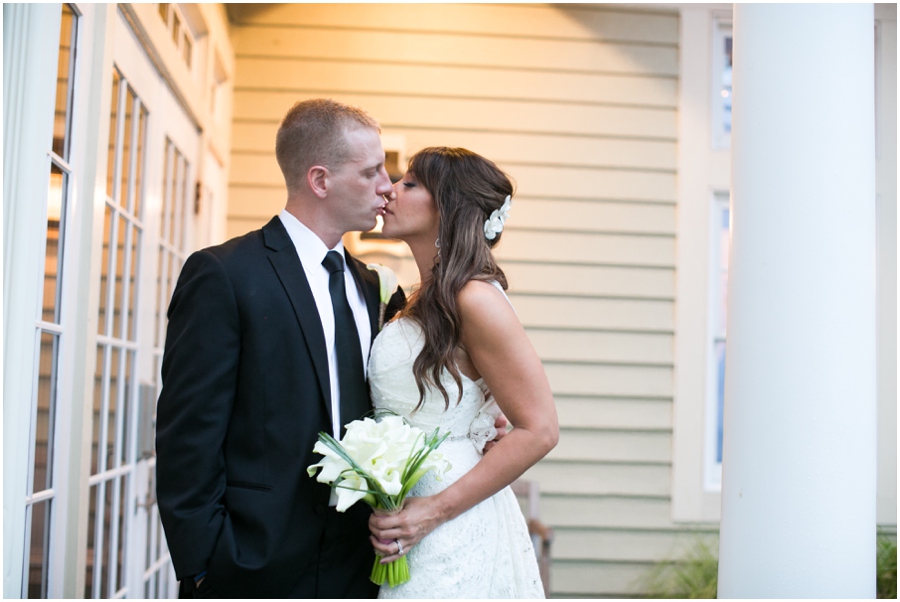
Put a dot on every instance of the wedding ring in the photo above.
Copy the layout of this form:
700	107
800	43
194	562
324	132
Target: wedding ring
399	547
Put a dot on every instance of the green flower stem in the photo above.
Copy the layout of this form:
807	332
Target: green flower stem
394	573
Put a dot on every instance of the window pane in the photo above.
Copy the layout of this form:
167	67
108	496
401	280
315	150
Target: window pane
139	168
164	225
720	396
128	379
171	276
46	412
124	191
119	298
176	28
39	557
132	279
105	270
99	371
186	50
90	560
726	84
175	206
121	548
724	246
180	201
106	517
52	261
113	129
158	328
164	12
109	451
63	83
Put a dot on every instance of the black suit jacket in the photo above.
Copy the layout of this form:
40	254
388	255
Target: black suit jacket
245	394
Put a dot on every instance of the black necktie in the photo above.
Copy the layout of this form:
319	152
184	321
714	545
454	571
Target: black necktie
354	395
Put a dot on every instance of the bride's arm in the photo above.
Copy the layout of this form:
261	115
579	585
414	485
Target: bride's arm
501	352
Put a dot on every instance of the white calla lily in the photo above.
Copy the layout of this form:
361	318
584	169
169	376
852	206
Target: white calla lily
379	462
387	285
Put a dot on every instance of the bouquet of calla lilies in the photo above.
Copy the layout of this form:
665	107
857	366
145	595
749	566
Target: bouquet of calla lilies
379	462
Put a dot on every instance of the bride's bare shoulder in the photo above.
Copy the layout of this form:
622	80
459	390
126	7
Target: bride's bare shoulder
481	301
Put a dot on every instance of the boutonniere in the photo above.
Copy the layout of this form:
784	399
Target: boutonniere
387	283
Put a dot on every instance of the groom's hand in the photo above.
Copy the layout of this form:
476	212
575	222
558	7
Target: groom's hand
500	424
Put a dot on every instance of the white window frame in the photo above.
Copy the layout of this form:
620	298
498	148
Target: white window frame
703	170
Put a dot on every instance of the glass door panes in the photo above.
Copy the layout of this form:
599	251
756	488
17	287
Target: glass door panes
172	250
41	492
115	390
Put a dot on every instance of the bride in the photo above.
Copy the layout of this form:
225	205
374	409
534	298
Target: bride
455	358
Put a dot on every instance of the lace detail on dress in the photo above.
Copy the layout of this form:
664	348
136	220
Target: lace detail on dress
485	552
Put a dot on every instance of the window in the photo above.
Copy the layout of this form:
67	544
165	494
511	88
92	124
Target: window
41	493
721	84
181	36
720	238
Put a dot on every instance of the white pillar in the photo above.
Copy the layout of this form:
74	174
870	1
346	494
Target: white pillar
798	489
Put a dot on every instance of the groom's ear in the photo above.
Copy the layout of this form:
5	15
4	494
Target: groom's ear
317	179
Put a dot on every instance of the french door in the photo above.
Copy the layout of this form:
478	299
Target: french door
148	226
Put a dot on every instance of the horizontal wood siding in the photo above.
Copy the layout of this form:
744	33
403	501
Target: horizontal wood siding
578	104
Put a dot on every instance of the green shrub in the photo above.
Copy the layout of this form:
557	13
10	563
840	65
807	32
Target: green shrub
886	578
693	576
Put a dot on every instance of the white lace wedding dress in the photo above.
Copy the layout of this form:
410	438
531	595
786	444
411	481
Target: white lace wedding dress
485	552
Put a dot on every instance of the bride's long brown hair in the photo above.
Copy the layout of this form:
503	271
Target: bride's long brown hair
466	189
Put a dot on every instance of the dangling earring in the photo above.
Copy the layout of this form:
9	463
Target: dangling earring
437	243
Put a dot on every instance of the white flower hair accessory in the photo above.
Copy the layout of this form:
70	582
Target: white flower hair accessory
494	224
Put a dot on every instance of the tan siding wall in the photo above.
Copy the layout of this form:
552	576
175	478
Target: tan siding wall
578	105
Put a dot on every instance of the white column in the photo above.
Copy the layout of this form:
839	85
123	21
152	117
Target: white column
798	491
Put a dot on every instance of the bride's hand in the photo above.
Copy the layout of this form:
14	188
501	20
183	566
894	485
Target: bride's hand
419	517
500	424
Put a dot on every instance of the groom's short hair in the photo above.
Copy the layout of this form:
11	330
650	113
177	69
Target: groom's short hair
313	132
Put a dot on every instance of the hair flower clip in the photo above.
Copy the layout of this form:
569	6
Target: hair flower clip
494	224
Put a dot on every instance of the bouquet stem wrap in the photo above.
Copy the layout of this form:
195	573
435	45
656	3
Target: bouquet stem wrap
379	462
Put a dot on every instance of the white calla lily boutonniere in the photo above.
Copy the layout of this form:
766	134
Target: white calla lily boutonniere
387	283
494	224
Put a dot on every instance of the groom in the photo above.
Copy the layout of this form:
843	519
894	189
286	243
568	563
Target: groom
267	343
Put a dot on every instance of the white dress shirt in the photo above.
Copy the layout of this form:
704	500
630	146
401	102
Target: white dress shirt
312	251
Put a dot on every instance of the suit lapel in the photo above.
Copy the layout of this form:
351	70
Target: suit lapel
283	258
367	281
